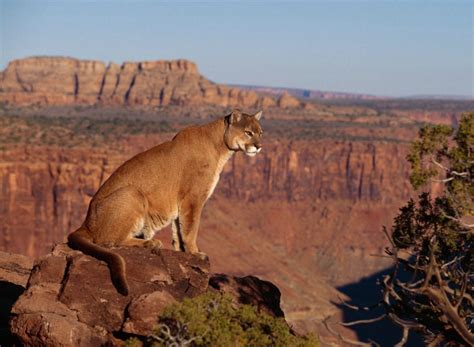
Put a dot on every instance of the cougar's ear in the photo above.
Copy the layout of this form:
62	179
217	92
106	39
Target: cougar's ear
258	115
235	116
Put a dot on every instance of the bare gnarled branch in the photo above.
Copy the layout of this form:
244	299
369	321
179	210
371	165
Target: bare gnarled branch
404	338
343	338
364	321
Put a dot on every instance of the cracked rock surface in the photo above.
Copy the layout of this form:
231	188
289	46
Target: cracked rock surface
70	300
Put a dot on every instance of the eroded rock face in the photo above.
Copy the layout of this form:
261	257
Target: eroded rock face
70	299
320	205
15	268
65	81
51	189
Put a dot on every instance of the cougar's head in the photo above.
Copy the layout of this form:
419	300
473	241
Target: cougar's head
243	132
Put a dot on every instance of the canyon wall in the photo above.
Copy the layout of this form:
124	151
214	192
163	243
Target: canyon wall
66	81
302	195
301	213
312	199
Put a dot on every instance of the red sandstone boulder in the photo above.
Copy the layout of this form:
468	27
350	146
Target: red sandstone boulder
70	299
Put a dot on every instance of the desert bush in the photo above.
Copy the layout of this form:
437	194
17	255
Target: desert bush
212	319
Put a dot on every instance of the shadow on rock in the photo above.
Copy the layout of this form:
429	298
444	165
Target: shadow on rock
10	292
250	290
367	292
14	273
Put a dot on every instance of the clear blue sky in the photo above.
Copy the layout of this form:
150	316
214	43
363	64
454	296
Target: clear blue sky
380	47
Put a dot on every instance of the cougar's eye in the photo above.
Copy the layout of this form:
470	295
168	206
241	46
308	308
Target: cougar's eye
248	133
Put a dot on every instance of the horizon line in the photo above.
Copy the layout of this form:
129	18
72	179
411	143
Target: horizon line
445	97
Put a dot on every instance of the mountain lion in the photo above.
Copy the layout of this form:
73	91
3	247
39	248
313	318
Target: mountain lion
169	183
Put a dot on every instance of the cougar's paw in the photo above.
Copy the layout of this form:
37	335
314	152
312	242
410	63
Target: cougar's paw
156	250
202	255
153	244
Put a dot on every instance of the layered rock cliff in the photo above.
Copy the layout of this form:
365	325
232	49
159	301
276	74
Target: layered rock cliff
316	180
299	212
65	81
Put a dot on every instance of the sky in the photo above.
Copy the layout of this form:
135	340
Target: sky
391	48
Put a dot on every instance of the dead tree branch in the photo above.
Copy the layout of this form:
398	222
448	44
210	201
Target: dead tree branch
343	338
364	321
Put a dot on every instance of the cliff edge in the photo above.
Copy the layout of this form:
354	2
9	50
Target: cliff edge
69	299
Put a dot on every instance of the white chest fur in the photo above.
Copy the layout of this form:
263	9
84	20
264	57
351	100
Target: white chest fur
215	179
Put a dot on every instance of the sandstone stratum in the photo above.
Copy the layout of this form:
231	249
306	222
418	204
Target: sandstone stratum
66	81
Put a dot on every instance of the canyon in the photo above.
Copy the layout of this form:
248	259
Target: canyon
306	213
301	214
292	193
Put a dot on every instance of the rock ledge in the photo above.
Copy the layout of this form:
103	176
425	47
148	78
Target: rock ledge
70	300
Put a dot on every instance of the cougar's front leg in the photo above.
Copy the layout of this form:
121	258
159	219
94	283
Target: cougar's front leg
178	244
189	219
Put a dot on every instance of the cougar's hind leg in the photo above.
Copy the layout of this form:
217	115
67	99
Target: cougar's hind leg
119	217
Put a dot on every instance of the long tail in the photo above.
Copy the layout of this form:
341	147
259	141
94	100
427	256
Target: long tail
82	241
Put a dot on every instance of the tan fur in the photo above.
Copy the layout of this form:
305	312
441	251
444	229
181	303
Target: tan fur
169	183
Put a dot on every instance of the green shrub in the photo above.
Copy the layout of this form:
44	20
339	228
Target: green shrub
213	320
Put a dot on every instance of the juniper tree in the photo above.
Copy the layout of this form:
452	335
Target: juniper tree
431	286
433	240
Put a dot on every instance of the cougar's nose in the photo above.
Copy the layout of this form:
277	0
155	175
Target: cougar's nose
258	146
